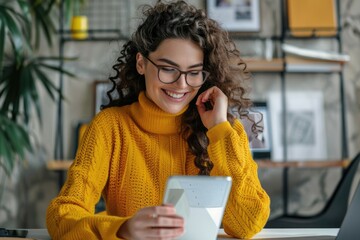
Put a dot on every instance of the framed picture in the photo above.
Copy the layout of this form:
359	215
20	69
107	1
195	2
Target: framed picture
260	143
305	126
259	139
101	98
235	15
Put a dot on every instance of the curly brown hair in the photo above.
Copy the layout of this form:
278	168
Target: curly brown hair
221	58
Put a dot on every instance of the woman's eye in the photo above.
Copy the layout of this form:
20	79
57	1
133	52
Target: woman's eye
194	73
168	69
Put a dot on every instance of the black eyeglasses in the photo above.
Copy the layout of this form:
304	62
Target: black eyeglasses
167	75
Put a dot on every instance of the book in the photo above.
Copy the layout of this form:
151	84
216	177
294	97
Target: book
312	17
316	54
299	64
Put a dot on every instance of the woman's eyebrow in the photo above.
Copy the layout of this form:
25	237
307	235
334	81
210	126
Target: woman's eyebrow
165	60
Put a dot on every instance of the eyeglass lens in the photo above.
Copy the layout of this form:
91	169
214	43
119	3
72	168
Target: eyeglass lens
169	75
193	78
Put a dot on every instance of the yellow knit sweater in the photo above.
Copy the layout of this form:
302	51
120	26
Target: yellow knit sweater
128	153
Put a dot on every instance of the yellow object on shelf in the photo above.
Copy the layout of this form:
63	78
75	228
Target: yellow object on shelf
312	17
79	27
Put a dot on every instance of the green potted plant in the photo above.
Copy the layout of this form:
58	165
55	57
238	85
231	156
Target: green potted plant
22	72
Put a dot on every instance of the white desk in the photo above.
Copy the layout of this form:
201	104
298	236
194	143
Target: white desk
269	233
272	233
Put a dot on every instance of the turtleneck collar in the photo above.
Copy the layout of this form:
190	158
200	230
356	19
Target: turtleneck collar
153	119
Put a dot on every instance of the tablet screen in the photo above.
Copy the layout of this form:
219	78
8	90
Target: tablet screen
201	201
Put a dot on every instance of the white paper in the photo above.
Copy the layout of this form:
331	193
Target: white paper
306	138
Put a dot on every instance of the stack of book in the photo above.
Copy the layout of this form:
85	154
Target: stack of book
308	60
315	54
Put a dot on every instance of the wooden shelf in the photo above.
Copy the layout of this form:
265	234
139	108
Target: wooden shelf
63	165
267	163
58	165
263	65
300	64
293	64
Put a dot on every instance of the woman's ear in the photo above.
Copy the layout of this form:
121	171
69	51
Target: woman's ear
140	65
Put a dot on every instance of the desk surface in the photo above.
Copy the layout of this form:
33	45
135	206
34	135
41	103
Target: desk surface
61	165
270	233
274	233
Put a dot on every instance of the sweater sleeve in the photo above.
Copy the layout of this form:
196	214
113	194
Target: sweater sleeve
71	215
248	207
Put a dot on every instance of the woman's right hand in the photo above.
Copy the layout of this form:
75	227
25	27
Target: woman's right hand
159	222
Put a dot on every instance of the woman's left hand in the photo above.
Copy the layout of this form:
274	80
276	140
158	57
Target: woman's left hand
219	106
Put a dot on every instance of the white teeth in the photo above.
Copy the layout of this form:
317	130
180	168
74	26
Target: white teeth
175	95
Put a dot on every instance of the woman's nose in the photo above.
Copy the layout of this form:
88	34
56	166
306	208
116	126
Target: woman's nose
181	82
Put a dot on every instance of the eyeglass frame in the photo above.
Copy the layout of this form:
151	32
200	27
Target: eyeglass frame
207	74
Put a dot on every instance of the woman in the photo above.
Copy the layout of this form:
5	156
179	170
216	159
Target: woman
176	80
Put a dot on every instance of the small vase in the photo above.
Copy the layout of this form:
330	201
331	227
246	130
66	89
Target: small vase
79	27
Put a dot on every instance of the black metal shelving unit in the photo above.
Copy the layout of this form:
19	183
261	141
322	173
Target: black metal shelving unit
284	35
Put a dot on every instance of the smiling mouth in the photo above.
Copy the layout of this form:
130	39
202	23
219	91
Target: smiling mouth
174	95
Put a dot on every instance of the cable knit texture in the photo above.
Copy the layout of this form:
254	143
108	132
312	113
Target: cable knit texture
127	154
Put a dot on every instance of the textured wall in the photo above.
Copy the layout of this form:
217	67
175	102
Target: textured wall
24	196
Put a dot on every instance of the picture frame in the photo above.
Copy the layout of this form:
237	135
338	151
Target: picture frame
235	15
305	126
101	98
260	140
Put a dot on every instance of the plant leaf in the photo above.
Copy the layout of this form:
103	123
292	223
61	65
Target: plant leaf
6	155
11	92
16	37
15	141
44	22
25	16
48	85
20	139
68	10
19	87
25	81
33	92
59	69
2	43
50	6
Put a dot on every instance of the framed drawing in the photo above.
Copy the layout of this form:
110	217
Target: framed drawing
305	126
260	143
260	139
101	98
235	15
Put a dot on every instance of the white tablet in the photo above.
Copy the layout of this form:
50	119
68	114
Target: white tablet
201	201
